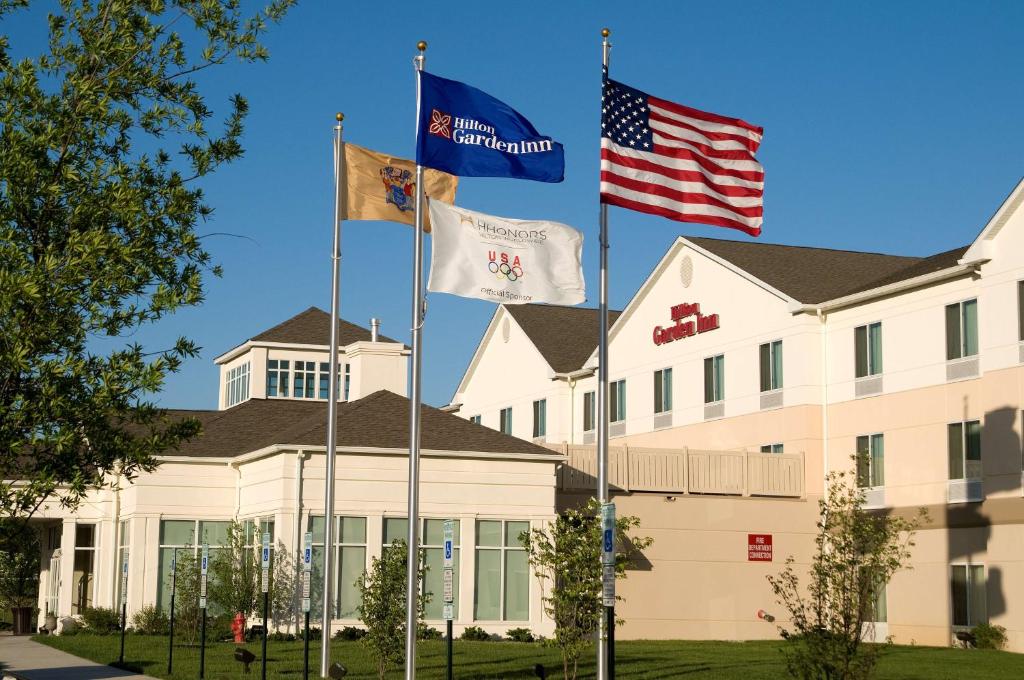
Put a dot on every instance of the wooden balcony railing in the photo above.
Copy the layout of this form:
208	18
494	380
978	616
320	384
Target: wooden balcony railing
685	471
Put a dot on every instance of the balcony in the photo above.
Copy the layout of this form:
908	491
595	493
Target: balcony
684	471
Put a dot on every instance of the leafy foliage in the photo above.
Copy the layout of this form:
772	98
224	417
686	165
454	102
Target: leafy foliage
150	621
187	614
104	139
19	565
567	556
475	634
520	635
857	552
101	620
987	636
382	610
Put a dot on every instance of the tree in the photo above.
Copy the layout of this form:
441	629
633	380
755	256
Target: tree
104	139
19	567
186	584
382	609
567	556
857	552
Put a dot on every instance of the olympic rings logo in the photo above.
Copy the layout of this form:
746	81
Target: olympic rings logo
504	270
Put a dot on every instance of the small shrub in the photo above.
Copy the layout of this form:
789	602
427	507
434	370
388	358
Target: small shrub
475	633
101	620
349	633
278	636
429	633
150	621
987	636
520	635
218	627
314	633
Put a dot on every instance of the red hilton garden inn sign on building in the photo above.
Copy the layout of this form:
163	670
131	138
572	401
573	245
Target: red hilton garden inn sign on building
683	328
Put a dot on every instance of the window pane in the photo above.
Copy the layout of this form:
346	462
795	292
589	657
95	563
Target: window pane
271	383
163	592
1020	310
613	402
956	451
487	589
659	405
953	331
877	460
488	533
860	351
588	411
720	377
351	529
512	531
433	532
517	585
973	468
352	563
316	527
875	346
83	580
177	532
666	388
881	606
777	365
978	603
766	448
970	328
85	535
433	582
958	592
709	380
214	533
395	528
766	368
863	462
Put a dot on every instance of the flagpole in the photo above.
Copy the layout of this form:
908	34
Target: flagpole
332	402
605	660
412	563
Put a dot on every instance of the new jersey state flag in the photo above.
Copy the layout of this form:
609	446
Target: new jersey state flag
467	132
503	260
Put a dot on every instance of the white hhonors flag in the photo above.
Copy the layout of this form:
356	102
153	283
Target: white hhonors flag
503	260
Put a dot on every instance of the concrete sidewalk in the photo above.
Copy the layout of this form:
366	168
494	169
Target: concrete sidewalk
24	659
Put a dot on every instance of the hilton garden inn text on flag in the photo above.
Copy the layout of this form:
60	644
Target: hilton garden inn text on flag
671	160
504	260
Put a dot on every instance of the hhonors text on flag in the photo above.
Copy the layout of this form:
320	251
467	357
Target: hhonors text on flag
504	260
467	132
671	160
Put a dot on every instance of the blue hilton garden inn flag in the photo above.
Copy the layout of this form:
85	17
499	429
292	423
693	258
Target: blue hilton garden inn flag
466	132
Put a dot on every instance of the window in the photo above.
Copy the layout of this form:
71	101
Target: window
967	587
771	366
304	380
178	538
617	401
432	544
324	378
84	579
505	420
1020	311
474	419
349	563
870	460
771	448
348	379
962	329
663	390
502	588
277	377
879	606
867	347
540	418
965	450
589	411
714	379
236	389
122	555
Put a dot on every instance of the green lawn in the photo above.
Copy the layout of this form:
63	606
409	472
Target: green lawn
636	659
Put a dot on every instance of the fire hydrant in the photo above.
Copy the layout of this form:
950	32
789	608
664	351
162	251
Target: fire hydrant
238	627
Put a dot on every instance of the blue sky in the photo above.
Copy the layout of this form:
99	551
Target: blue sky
889	126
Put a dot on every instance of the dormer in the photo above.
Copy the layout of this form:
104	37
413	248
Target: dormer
291	361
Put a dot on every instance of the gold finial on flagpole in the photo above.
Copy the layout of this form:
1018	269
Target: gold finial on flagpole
422	46
605	33
339	116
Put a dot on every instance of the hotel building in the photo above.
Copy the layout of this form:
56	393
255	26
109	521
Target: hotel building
741	373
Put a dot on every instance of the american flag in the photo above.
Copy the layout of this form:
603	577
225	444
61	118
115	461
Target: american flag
671	160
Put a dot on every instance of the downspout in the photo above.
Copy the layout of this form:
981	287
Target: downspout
238	487
572	409
118	539
822	318
300	459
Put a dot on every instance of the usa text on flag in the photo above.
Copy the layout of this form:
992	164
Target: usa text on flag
671	160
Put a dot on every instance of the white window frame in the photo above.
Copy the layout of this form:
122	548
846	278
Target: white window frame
874	364
338	546
871	459
620	401
236	384
475	419
963	449
716	389
277	370
502	618
966	566
590	413
963	335
540	406
505	420
775	383
774	448
666	394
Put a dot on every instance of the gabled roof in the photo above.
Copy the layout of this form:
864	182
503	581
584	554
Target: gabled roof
313	327
549	327
379	420
810	275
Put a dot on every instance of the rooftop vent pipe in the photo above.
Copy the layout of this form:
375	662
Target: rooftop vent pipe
374	329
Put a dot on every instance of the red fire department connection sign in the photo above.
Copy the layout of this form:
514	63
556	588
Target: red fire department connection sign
759	547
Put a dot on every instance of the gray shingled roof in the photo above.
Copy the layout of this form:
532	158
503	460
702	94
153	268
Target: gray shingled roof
313	327
814	275
378	420
549	327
